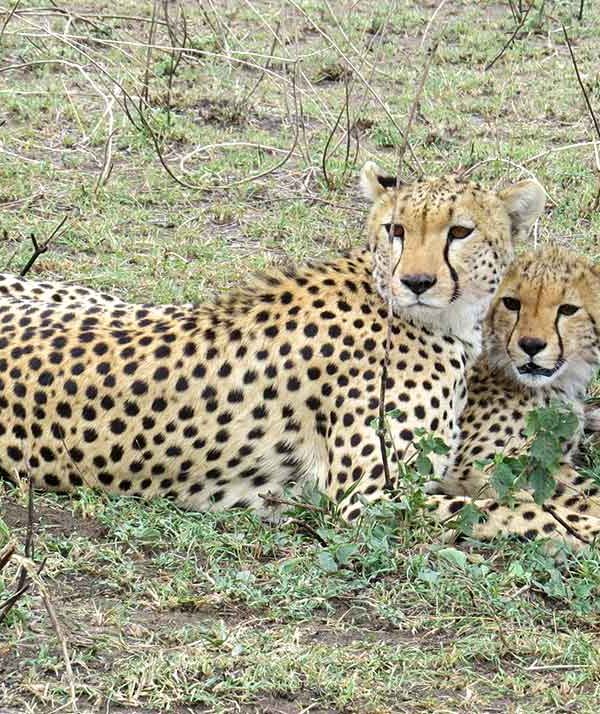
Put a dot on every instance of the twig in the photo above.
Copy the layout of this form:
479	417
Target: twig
35	577
9	16
176	55
302	525
430	23
22	583
564	524
107	164
331	135
592	114
581	84
262	75
357	72
227	145
285	502
6	554
381	424
240	182
511	39
40	249
381	431
9	603
413	111
146	81
29	546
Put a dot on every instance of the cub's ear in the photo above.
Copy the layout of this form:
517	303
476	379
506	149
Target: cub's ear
524	202
372	182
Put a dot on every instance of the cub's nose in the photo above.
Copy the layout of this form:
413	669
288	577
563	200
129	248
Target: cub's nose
531	345
419	283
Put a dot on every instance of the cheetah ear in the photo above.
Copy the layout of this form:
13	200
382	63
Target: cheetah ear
524	202
373	183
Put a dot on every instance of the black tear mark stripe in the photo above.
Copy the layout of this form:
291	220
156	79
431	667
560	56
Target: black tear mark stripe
453	273
594	325
395	267
512	332
560	339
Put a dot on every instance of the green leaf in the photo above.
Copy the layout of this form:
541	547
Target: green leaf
468	517
345	552
439	447
423	465
543	485
395	414
454	556
546	450
327	562
504	479
427	575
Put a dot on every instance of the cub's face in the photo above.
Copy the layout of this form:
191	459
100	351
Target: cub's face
440	246
542	324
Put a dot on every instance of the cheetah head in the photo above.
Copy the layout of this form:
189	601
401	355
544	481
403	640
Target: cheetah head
542	326
451	242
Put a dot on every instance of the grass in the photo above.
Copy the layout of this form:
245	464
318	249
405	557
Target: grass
165	610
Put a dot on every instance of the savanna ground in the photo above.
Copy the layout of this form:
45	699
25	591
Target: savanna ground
166	610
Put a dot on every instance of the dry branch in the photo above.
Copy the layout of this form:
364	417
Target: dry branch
511	39
590	111
381	424
40	249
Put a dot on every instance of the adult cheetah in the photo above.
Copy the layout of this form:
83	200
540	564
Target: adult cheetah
213	406
542	345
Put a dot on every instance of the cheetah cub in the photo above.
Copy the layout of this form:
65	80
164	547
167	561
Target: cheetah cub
541	345
275	383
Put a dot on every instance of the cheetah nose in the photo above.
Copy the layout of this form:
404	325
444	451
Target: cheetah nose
419	283
532	345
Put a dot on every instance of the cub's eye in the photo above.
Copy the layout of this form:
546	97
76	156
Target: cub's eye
568	309
511	303
459	232
398	230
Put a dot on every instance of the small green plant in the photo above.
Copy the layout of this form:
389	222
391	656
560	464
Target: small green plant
414	466
547	429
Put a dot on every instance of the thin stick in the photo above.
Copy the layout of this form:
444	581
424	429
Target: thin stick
9	16
564	524
413	111
285	502
592	114
29	546
581	84
35	577
381	430
262	75
431	21
511	38
6	554
40	249
146	82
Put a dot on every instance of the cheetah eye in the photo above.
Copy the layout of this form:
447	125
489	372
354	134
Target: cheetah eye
398	230
568	309
511	303
459	232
